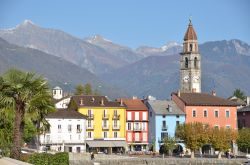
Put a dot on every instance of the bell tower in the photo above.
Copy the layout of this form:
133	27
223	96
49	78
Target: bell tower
190	71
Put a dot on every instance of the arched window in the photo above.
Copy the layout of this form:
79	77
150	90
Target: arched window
186	62
191	47
195	62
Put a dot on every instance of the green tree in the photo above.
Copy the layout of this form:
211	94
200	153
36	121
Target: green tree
222	138
169	144
239	94
195	135
88	89
243	140
23	93
79	89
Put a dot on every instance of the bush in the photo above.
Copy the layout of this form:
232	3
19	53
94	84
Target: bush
49	159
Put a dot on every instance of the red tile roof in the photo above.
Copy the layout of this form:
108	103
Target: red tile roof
204	99
134	104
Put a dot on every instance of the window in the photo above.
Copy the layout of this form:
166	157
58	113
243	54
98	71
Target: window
144	116
164	135
228	126
191	47
216	113
129	126
145	136
205	113
144	126
48	138
163	116
227	113
129	116
70	137
129	136
115	123
79	137
59	128
78	149
89	134
195	62
194	113
177	116
105	123
78	128
164	124
216	126
177	123
105	134
54	92
115	134
69	128
136	126
186	62
115	113
137	137
70	149
89	123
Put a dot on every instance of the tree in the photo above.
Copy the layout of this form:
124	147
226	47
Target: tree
222	138
23	93
79	89
88	89
239	94
169	144
243	140
195	135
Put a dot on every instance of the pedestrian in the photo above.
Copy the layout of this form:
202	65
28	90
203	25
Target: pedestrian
92	156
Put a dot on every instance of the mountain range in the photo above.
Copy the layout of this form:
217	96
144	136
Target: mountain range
142	71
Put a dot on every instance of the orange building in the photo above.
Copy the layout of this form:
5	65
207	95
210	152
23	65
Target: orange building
207	109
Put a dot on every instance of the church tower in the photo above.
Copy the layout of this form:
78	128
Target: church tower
190	71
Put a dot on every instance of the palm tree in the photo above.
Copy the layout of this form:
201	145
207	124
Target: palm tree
239	94
24	93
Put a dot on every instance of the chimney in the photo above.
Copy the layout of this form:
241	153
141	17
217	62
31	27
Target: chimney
81	101
193	90
179	93
169	108
213	93
121	103
102	102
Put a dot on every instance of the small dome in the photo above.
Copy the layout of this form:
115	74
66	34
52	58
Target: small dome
57	88
190	34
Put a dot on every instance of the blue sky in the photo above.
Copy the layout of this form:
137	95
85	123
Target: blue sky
134	22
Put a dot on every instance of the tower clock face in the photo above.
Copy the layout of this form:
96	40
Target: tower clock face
196	78
186	78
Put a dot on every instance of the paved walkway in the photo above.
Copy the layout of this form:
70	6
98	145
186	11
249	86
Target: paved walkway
9	161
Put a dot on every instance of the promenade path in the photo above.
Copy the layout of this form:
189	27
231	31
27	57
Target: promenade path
9	161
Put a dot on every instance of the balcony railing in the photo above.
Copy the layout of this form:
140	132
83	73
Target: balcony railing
105	126
137	129
116	126
90	126
164	128
116	116
90	116
105	116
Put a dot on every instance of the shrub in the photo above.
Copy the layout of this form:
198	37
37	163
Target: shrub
49	159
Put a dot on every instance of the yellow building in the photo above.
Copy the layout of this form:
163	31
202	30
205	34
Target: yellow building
106	123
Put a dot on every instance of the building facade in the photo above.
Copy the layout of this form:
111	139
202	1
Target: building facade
244	117
136	124
207	109
67	132
106	121
190	71
164	116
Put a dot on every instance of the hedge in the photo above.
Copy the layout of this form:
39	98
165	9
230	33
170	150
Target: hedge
61	158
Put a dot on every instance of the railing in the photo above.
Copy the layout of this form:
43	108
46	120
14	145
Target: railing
90	126
105	116
116	126
116	116
164	128
90	116
105	126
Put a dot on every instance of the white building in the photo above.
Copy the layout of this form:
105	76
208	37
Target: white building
62	103
57	93
67	132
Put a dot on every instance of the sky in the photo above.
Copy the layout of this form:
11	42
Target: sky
134	23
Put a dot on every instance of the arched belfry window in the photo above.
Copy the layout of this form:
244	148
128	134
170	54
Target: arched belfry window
191	47
186	62
195	62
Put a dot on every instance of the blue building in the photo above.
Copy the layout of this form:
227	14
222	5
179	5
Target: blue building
164	115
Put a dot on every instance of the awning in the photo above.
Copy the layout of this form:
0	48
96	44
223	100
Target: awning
106	143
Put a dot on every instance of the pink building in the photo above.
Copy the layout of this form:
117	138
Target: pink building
207	109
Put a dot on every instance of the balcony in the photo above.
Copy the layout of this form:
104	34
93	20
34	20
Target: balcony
105	116
116	127
116	117
164	128
90	116
105	126
137	129
90	127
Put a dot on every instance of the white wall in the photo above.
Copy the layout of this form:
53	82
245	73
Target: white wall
63	103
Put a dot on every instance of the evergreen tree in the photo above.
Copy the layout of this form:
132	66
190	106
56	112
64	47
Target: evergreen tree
88	89
79	90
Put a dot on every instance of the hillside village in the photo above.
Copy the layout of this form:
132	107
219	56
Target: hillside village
94	123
